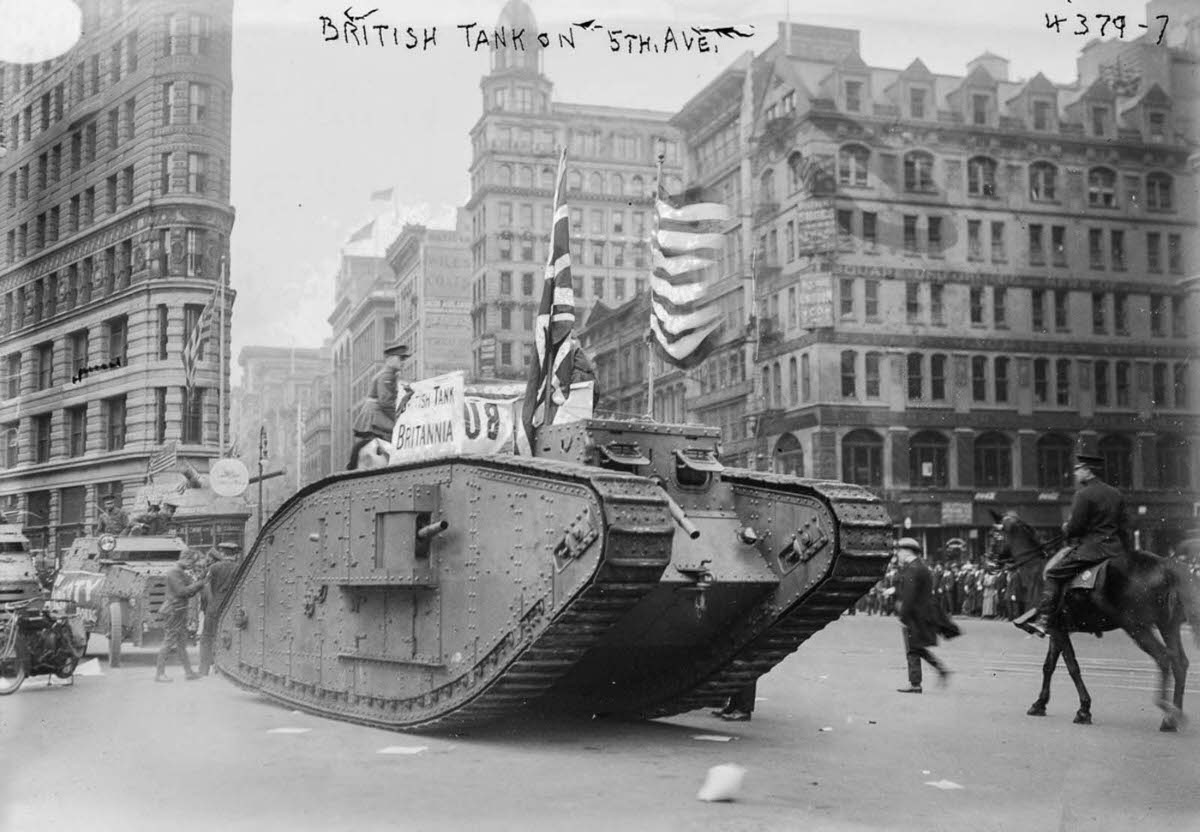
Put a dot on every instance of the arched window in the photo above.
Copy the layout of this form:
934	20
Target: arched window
862	458
1117	452
596	183
789	456
636	186
504	176
993	460
1043	181
574	180
1054	461
768	186
525	176
852	165
928	460
796	172
1158	192
617	184
981	176
793	381
1102	188
918	171
547	178
1174	471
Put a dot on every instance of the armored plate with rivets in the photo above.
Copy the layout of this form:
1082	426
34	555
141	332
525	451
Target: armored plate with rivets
622	569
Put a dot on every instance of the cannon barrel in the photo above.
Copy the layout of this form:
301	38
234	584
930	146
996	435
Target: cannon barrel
681	518
427	533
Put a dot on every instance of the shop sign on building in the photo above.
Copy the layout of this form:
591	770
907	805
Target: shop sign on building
957	514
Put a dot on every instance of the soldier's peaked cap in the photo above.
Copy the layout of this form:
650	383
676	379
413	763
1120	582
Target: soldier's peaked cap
1090	460
397	349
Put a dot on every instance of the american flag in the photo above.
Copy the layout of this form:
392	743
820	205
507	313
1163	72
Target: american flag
550	372
685	238
164	460
196	339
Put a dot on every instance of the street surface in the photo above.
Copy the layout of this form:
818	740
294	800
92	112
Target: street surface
832	747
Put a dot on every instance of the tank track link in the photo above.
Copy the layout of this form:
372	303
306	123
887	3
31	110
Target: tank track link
637	521
863	552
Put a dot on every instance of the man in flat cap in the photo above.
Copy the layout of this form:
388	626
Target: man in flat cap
386	397
921	617
1097	531
222	563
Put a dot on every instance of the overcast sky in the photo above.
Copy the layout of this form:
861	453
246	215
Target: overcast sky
318	126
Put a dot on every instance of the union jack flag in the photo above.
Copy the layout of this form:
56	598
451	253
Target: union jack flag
550	372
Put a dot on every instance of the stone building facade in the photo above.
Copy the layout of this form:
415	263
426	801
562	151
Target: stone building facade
958	281
611	155
432	269
114	222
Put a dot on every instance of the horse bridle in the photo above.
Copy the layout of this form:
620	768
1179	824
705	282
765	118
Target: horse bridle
1033	554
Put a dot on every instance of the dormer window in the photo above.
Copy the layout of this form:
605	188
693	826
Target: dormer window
1042	115
979	108
1099	120
772	113
854	96
1156	121
789	103
916	103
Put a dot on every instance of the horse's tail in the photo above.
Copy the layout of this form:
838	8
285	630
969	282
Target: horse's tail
1186	594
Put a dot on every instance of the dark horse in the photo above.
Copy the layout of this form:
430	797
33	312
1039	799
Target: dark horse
1139	593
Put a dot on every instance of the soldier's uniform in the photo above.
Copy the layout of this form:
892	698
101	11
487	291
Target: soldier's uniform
176	610
377	414
220	576
112	521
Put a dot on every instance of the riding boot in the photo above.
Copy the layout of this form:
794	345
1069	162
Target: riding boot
1051	592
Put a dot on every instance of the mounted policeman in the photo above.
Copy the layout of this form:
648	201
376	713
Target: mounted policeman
1095	532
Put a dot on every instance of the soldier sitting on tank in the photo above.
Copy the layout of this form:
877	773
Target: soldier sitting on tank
386	397
113	519
1098	532
149	519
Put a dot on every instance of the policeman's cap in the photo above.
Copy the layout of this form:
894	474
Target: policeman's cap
397	349
1089	461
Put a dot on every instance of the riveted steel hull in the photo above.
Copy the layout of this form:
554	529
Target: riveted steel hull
558	584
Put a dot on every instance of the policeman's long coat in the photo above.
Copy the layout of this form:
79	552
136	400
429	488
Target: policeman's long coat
1098	522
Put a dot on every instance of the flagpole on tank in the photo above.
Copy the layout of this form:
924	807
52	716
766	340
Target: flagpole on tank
662	155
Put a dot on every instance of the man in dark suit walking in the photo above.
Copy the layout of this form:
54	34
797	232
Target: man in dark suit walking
1096	525
920	616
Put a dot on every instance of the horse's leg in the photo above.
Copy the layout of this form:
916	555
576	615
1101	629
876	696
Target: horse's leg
1084	715
1155	649
1179	669
1038	708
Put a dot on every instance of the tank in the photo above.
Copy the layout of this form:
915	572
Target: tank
620	570
119	586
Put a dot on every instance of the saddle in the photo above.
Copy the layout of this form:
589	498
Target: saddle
1091	576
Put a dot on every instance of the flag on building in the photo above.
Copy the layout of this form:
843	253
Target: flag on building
684	244
550	371
363	233
194	347
382	196
234	450
164	460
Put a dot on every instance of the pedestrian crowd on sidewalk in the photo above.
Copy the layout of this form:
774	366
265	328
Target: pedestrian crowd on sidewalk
962	588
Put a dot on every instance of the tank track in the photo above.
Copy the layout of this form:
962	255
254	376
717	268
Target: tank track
637	521
863	551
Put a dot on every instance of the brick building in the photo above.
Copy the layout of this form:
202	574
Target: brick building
114	219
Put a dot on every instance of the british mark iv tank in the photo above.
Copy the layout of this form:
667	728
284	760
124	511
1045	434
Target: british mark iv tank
621	569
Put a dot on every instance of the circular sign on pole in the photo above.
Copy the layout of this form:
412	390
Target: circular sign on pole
229	477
